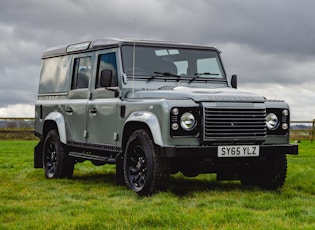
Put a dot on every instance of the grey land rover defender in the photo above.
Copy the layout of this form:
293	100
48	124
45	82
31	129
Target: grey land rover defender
155	108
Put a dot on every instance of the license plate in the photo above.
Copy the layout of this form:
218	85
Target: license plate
238	151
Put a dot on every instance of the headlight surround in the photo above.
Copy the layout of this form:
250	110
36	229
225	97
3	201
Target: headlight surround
188	121
185	122
272	121
278	121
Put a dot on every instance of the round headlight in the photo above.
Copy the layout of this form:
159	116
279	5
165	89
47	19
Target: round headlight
187	121
272	121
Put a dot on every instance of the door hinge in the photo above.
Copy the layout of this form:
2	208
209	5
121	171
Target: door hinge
85	133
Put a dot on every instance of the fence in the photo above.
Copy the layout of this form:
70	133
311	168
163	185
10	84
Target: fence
23	128
302	131
17	128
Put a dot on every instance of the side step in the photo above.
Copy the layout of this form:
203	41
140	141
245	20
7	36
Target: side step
107	160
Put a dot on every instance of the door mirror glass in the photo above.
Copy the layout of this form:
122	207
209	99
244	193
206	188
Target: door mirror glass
106	78
234	81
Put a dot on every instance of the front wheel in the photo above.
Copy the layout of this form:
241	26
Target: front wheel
145	172
56	161
270	175
275	172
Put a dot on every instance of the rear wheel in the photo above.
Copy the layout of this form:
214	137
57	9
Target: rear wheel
56	161
145	172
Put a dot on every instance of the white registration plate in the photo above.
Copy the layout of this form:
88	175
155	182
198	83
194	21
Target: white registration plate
238	151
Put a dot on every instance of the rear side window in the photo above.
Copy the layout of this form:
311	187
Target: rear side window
81	76
54	75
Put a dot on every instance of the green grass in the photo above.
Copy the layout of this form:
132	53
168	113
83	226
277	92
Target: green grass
92	201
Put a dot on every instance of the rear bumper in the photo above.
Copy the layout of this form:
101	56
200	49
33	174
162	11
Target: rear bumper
211	151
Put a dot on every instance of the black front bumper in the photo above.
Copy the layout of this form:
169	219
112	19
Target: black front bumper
211	151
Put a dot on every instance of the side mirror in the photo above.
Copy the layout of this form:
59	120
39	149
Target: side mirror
106	78
234	81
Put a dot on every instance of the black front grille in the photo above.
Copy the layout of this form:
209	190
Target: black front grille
233	124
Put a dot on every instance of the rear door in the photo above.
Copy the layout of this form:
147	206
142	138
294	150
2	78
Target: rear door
76	106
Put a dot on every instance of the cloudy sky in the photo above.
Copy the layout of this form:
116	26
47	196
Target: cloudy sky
269	44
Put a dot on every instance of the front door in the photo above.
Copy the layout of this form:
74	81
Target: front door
102	106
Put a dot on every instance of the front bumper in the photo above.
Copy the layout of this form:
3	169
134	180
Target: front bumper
211	151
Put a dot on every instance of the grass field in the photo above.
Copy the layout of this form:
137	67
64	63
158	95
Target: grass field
92	201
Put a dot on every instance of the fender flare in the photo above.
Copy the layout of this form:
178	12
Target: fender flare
151	121
58	118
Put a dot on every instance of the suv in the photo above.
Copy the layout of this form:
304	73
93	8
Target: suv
155	108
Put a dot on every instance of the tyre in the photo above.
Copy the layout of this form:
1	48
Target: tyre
56	161
145	172
275	173
271	175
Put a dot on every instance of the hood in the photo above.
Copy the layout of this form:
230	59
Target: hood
201	94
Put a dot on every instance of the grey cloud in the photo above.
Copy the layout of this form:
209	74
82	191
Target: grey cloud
262	41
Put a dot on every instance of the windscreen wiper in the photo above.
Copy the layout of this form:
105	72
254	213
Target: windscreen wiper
165	76
197	76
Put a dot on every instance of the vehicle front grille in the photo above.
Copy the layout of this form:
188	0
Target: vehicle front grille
234	124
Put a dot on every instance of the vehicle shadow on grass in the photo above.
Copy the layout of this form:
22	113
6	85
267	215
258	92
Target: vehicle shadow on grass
179	186
108	178
185	186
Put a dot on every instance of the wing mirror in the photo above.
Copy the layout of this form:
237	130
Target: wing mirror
234	81
106	78
106	81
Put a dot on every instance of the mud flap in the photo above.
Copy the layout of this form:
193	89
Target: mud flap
120	180
38	155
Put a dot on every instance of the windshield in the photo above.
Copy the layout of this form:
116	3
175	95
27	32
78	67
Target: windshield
176	63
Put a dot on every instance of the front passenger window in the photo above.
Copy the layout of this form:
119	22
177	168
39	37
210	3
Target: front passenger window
108	62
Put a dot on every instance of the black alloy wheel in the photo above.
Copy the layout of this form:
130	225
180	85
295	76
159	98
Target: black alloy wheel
56	161
144	171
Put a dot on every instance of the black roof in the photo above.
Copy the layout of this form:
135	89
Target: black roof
98	44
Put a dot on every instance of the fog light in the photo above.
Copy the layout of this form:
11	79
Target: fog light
285	126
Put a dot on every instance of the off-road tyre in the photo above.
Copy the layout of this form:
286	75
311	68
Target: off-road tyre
270	175
275	172
56	160
145	172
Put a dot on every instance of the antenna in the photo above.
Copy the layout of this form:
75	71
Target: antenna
134	60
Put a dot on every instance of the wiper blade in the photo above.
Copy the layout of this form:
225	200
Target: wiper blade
197	76
173	77
207	73
165	76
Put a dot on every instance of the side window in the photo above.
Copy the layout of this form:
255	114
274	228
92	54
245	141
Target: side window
54	75
82	69
107	61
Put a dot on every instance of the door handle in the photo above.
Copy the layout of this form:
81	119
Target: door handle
69	110
93	110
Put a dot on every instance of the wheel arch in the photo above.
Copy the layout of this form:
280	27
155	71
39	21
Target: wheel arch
143	120
55	120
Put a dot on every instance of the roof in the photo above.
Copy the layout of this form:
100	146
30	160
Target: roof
102	43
